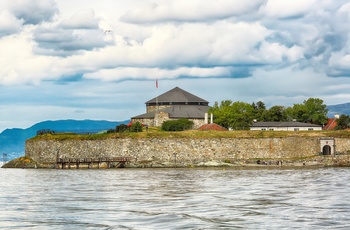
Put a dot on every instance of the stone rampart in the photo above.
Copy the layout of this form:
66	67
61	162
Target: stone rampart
185	151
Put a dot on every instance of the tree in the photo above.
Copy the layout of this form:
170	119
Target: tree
259	110
242	115
288	114
316	111
236	115
299	112
343	122
311	111
221	113
275	113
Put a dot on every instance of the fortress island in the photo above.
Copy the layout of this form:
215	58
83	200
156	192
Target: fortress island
193	148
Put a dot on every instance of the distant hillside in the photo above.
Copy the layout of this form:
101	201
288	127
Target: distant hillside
12	141
340	109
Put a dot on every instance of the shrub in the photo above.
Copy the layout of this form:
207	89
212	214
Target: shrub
136	127
111	131
177	125
121	128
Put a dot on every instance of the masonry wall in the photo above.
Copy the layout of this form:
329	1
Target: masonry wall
162	116
188	151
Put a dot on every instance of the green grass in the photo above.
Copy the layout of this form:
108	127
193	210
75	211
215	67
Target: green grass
155	132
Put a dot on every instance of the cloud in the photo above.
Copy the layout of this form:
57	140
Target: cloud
155	73
281	52
61	42
9	24
84	19
34	11
287	8
189	11
18	65
71	36
339	41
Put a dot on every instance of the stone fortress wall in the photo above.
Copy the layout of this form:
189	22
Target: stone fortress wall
184	151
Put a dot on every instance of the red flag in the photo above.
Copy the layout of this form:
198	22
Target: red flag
157	83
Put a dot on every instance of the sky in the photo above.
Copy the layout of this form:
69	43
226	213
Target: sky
99	60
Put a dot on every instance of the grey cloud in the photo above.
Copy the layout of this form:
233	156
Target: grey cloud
34	11
321	31
61	42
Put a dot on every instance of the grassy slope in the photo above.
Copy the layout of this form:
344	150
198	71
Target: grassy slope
157	133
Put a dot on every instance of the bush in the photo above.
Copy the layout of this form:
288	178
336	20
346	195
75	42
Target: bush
111	131
136	127
121	128
177	125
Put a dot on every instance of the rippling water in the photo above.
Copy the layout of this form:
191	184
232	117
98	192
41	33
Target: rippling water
175	199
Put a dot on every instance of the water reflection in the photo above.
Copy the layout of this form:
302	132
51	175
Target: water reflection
175	199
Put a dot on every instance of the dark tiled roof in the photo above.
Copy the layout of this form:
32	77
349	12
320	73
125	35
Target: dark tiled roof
283	124
179	111
177	95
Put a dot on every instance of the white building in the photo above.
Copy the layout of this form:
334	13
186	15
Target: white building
284	126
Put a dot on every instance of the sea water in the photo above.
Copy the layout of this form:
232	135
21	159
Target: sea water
219	198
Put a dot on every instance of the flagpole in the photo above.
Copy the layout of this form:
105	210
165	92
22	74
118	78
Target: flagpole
156	116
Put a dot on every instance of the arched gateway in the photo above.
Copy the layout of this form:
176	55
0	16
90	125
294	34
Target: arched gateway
327	146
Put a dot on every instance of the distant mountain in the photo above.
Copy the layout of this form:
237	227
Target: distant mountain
340	109
12	141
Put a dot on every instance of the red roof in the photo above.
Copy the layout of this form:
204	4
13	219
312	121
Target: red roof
212	127
331	123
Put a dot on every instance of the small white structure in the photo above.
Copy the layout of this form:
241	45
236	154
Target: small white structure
327	145
284	126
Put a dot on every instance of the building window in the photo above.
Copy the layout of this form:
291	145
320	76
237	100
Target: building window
310	129
263	129
271	129
296	129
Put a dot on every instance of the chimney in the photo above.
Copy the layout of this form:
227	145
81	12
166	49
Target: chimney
336	116
206	118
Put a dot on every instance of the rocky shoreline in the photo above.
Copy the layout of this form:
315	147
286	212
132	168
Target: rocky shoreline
315	161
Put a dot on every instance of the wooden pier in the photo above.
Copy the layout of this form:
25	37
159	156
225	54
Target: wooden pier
89	162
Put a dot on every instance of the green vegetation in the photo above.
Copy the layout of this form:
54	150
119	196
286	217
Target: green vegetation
22	162
177	125
156	132
121	128
135	127
240	115
343	122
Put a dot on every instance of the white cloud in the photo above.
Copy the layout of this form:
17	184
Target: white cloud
84	19
279	51
9	24
276	53
18	65
288	8
194	10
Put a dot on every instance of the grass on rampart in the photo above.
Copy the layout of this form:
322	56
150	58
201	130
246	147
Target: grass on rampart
155	132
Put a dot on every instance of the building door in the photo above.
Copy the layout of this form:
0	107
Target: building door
326	150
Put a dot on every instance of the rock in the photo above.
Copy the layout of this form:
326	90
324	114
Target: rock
22	162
